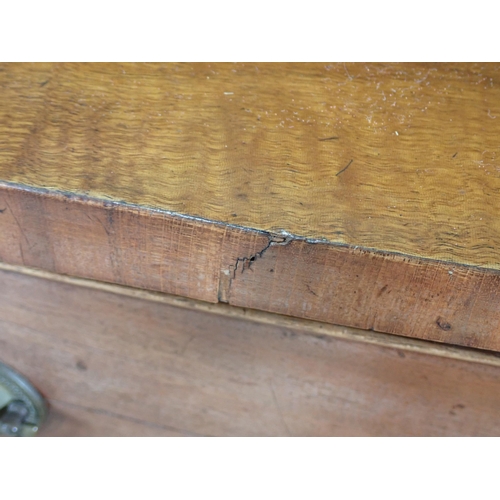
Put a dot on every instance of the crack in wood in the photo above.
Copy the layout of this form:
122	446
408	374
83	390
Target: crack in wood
227	276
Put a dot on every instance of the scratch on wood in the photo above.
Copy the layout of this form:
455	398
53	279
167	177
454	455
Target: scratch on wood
100	411
22	253
96	219
333	138
18	224
344	169
186	345
348	75
279	409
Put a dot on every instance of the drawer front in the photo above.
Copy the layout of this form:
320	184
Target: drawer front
117	365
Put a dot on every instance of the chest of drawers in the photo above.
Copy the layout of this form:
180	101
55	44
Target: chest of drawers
237	249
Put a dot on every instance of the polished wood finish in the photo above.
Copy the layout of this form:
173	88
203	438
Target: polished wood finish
364	195
112	364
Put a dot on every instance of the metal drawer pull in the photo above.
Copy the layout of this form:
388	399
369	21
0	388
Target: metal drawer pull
22	407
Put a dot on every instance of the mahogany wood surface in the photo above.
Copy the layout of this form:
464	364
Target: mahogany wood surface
117	365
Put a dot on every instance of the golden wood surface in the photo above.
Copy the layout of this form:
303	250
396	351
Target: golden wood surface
262	146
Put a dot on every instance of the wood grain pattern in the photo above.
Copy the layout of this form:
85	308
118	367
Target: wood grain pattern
276	320
245	144
386	293
174	177
389	293
116	365
121	244
73	420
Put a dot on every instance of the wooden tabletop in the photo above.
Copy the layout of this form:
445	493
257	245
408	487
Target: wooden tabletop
359	194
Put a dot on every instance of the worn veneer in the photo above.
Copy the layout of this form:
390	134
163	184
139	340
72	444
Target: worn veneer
365	195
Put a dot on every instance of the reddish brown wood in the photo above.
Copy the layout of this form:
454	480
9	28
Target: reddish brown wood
178	177
116	365
118	243
373	291
154	250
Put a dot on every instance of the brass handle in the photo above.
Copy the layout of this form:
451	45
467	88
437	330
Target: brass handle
22	408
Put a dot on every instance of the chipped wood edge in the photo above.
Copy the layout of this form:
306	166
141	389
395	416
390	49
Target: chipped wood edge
305	326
